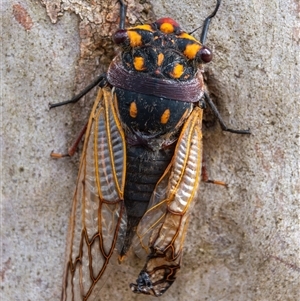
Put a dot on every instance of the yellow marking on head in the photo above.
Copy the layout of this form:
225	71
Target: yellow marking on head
133	110
191	50
166	28
165	116
143	27
185	35
160	59
138	63
134	38
177	71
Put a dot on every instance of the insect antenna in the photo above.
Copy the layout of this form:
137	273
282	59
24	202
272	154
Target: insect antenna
207	22
123	8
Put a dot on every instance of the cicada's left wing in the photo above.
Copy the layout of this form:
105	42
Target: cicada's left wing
98	219
161	232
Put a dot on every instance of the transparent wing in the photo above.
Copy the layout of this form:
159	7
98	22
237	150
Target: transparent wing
98	219
161	232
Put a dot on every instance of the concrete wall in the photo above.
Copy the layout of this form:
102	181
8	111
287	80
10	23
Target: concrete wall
243	241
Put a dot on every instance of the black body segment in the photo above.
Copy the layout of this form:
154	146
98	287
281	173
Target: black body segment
151	116
144	168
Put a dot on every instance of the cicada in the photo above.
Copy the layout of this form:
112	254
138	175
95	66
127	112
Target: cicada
140	168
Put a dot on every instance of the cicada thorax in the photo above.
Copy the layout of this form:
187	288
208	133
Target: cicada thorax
157	82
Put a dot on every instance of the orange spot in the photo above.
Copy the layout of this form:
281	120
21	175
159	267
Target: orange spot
160	59
191	50
177	71
146	27
167	28
134	38
133	110
186	36
165	116
138	63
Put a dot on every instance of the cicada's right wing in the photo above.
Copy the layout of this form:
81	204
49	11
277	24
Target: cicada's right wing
161	232
98	219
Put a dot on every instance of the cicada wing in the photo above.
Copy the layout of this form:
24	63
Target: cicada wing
161	232
98	219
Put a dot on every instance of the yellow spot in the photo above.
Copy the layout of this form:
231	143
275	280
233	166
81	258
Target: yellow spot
165	116
167	28
134	38
138	63
185	35
146	27
191	50
177	71
160	59
133	110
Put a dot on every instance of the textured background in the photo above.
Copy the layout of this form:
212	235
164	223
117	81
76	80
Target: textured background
243	241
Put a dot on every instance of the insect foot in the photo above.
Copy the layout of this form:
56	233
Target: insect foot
143	284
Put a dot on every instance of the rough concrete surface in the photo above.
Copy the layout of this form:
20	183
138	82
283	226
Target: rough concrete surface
243	241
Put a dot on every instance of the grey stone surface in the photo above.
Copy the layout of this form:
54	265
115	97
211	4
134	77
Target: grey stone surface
243	241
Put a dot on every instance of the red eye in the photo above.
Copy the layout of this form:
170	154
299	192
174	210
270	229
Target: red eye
205	55
120	36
